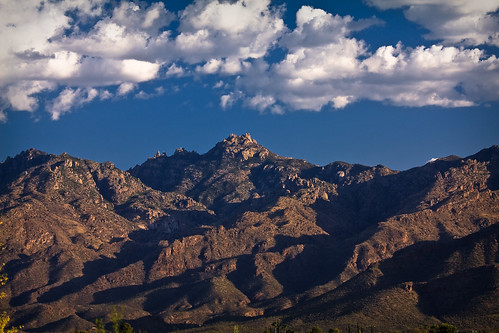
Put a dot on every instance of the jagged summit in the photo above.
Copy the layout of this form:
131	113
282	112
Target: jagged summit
27	154
239	147
244	139
20	163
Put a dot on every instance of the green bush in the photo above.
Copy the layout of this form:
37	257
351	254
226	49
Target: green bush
443	328
126	328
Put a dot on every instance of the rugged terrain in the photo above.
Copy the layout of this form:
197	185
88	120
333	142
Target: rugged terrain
240	233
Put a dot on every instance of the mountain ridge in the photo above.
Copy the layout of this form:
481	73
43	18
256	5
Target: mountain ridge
238	231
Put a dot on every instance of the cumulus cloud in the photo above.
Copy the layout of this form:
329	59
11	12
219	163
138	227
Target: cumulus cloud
128	44
226	101
457	21
22	94
79	50
261	102
175	70
69	99
325	66
43	48
126	88
231	30
219	84
158	91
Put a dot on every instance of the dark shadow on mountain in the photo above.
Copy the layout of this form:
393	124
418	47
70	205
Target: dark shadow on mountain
458	292
15	266
427	260
22	298
443	286
91	272
27	316
320	262
130	252
118	294
159	294
156	324
162	298
63	325
243	277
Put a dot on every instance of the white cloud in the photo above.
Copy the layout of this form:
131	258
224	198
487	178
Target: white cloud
21	95
175	70
39	54
150	20
261	102
236	30
126	88
456	21
210	67
139	71
100	48
69	99
429	76
105	94
228	66
127	44
226	101
158	91
324	66
339	102
219	84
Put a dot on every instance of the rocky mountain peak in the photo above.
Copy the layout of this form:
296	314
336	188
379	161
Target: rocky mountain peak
244	139
27	155
12	167
183	152
239	147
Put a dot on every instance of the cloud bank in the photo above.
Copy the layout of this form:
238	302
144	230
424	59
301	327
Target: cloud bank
454	22
84	51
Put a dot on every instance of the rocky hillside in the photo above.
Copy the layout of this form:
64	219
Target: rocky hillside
240	232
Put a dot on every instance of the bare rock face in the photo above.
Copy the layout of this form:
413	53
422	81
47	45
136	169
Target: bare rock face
240	231
240	148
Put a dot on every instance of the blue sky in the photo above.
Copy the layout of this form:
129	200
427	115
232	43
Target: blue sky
393	82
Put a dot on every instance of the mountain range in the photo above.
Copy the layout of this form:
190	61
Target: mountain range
240	234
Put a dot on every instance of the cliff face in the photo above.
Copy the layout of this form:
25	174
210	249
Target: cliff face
240	231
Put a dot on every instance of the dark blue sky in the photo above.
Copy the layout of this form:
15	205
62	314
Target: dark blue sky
326	89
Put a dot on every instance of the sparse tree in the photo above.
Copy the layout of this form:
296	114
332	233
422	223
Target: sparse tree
236	329
126	328
443	328
116	320
334	330
99	326
276	325
315	329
